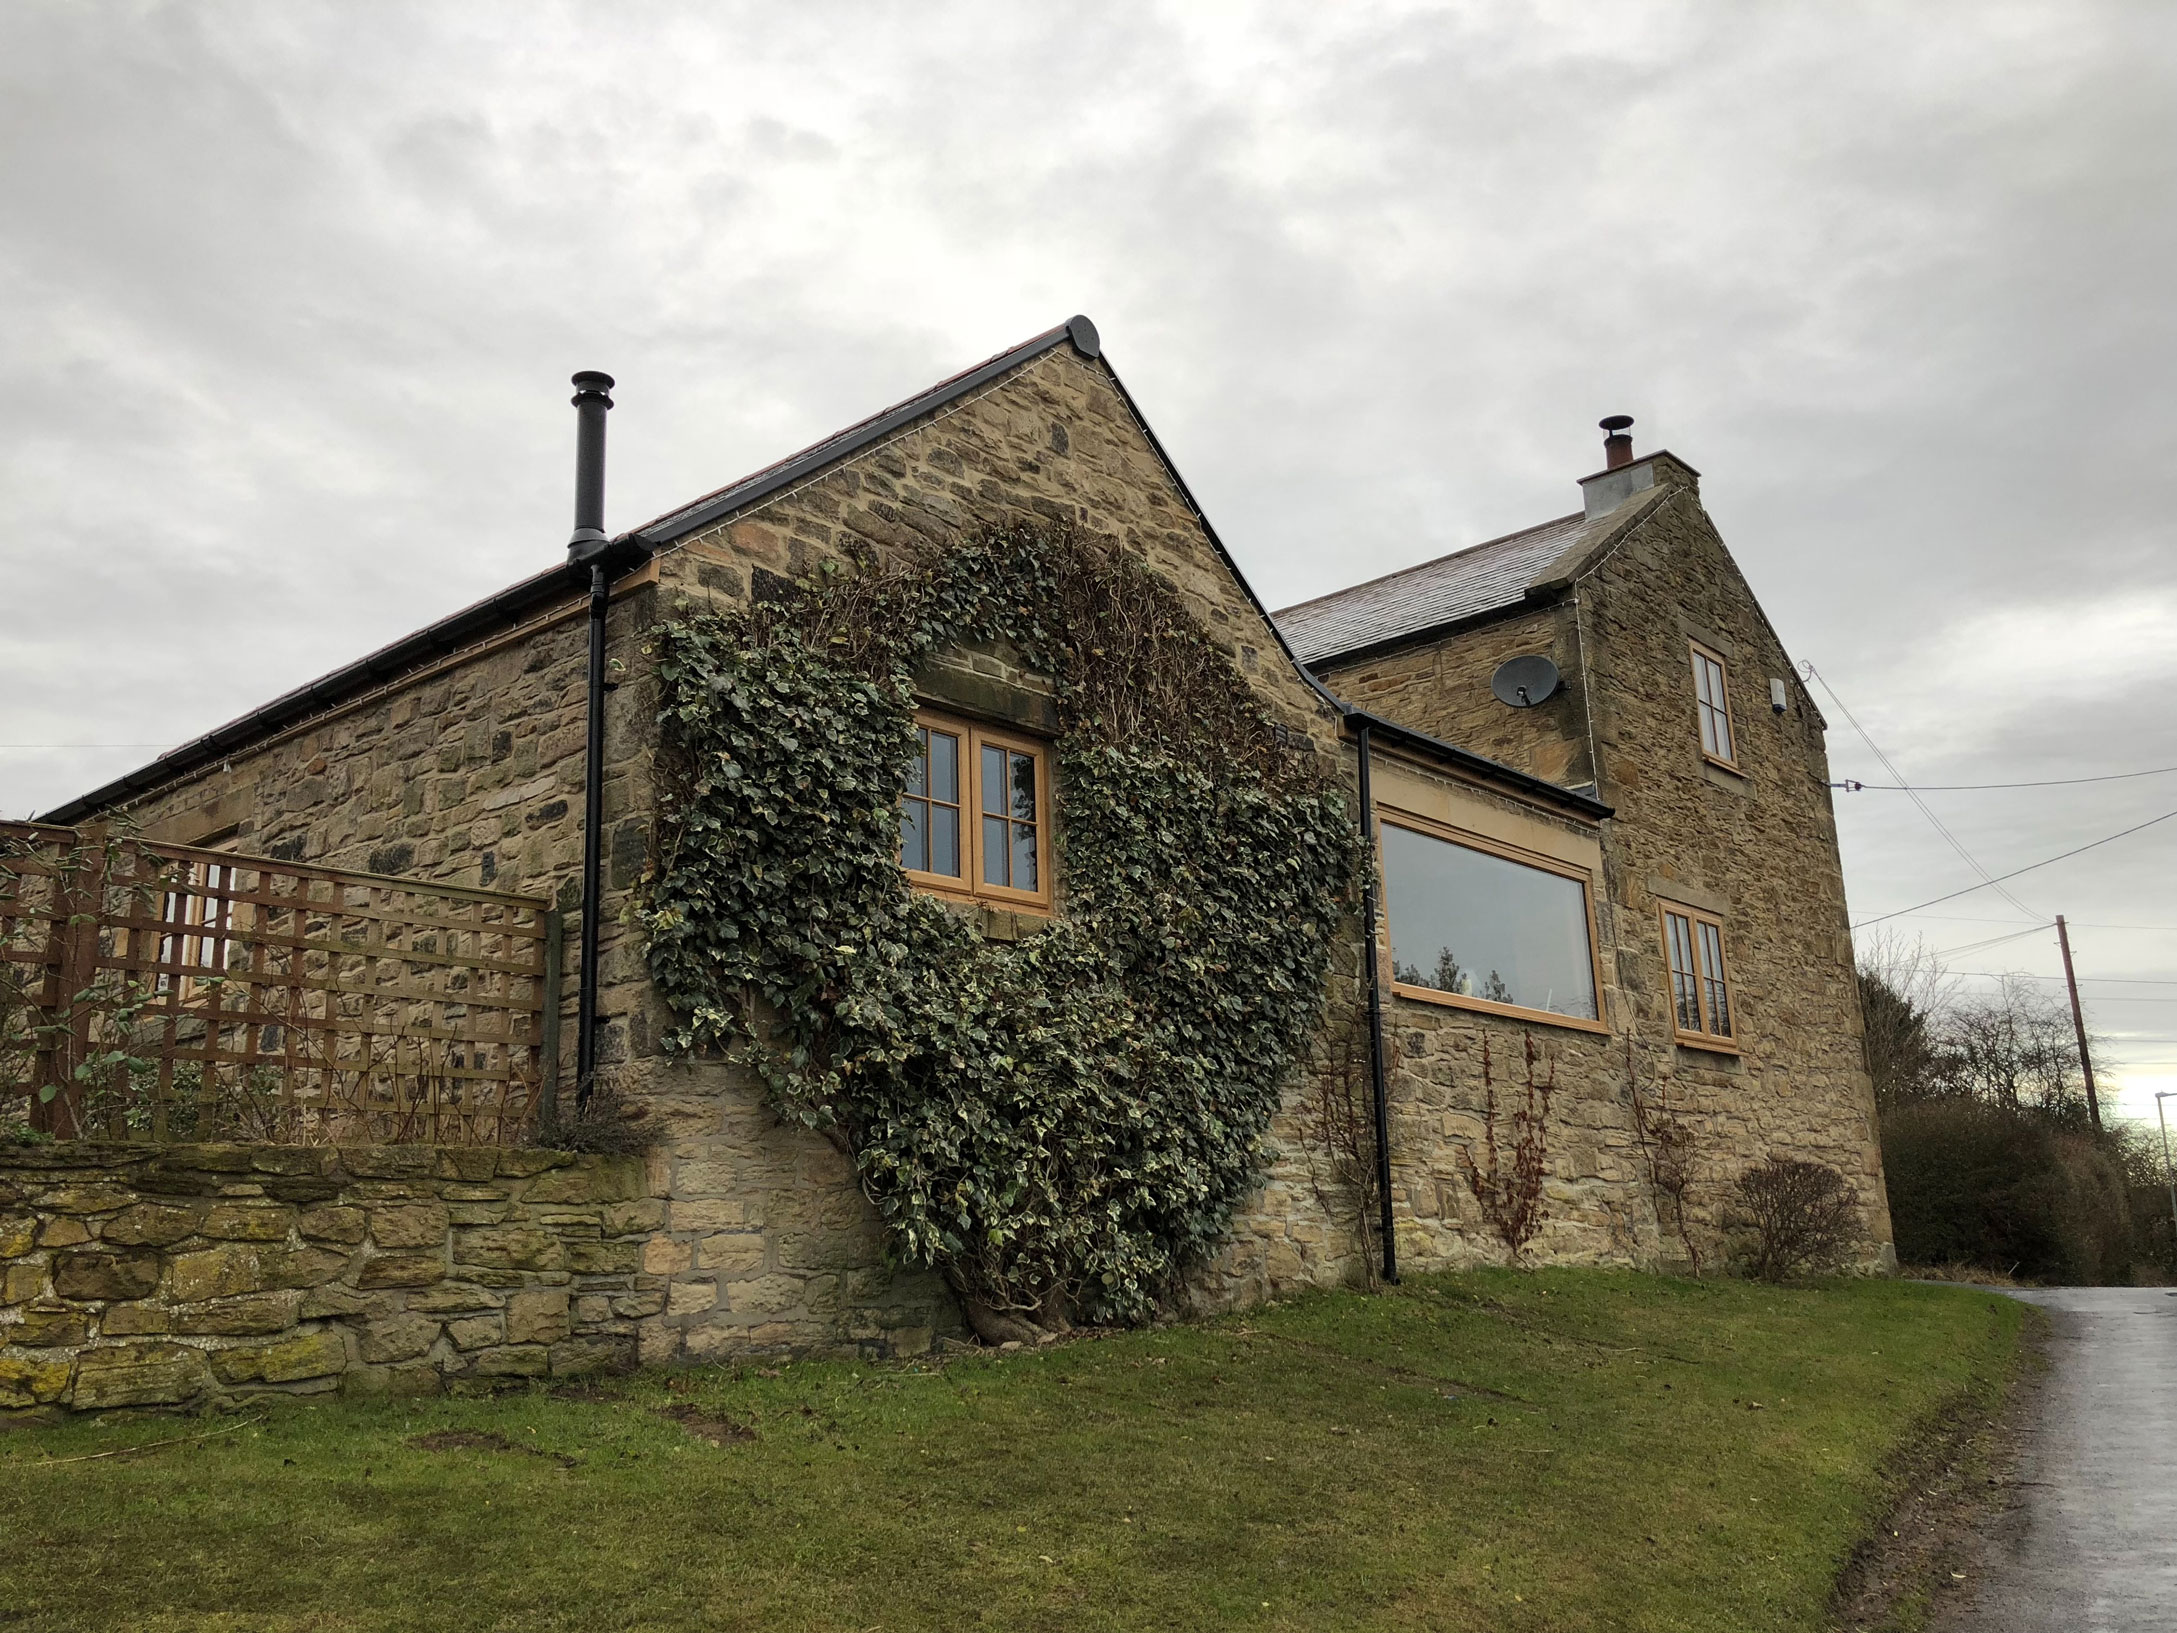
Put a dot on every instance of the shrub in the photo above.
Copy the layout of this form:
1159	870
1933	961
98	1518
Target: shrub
1797	1217
1988	1185
606	1125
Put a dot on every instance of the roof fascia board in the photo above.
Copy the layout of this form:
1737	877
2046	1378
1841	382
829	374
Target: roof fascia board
507	608
1479	766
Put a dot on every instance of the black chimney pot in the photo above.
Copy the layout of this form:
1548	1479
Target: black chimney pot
592	401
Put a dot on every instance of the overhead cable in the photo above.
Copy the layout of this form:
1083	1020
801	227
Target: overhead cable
1992	941
1854	786
1925	809
2030	867
2120	980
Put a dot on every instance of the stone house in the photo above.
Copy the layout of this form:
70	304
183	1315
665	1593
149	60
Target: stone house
1724	944
1653	922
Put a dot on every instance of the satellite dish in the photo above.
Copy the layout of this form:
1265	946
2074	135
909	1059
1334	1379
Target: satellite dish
1521	683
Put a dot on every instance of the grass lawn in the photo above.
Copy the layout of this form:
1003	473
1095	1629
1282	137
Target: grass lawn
1562	1449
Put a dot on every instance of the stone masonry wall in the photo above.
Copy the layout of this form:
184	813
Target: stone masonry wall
758	1237
1442	688
1299	1231
768	1239
470	772
1758	847
190	1274
467	772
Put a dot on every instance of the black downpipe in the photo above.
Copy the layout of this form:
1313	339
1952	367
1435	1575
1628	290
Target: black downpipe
1381	1091
588	548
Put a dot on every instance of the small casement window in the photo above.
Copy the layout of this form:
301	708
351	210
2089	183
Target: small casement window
975	816
1712	702
1480	927
1701	1008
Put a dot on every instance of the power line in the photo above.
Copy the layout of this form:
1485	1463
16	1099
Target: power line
81	745
2025	975
2098	998
1925	809
2030	867
1992	941
2077	924
1851	785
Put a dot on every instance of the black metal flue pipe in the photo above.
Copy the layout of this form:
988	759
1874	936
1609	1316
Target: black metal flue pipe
588	548
1380	1095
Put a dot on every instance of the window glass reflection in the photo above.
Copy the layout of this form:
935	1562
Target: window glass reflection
1469	922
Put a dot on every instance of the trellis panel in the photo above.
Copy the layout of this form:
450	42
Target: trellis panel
170	992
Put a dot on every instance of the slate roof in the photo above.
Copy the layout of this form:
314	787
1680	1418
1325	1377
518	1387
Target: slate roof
1482	578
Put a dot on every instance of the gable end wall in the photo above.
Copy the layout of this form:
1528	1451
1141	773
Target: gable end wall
1758	848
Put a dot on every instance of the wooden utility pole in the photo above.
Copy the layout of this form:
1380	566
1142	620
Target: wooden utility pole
2078	1022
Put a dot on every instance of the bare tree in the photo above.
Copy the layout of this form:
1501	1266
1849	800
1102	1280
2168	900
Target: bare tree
1904	991
2014	1048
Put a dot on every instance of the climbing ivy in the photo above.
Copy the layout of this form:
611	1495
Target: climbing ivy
1059	1124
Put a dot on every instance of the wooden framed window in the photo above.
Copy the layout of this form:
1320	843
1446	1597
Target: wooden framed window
1702	1012
975	815
1712	702
197	921
1480	925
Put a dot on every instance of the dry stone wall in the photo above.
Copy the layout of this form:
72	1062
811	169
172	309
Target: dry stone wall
189	1274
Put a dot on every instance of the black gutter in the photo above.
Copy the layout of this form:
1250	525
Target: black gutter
1380	1093
1480	765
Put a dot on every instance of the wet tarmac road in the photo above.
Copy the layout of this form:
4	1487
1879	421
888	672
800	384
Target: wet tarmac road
2092	1545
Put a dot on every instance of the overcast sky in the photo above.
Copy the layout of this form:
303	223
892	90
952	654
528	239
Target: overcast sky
292	291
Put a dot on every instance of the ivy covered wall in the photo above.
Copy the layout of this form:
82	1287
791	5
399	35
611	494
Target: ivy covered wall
770	1236
1061	1125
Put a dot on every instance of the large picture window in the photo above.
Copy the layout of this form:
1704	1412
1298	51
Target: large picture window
975	815
1480	928
1701	1009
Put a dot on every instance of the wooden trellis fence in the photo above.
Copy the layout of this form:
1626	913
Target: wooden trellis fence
168	992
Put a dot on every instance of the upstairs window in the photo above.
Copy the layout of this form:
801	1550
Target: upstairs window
975	814
1701	1008
1712	702
1480	928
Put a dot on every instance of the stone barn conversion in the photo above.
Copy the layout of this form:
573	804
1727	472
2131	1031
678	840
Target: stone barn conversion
986	936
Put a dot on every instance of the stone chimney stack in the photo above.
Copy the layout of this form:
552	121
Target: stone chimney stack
1623	476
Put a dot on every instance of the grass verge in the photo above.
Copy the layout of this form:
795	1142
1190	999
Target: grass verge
1557	1450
